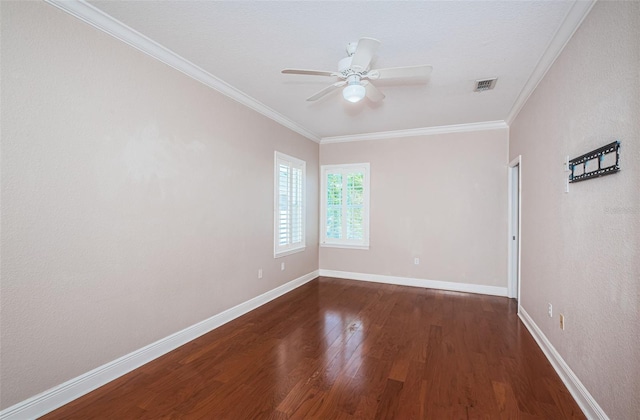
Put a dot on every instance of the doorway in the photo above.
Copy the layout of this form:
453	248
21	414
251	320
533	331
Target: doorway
515	183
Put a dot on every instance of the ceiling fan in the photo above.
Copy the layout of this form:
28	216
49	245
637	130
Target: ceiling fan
357	75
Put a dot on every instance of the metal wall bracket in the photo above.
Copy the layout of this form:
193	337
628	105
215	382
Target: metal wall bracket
584	167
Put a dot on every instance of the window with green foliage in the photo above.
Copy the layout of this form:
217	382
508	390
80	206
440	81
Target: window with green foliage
289	223
345	205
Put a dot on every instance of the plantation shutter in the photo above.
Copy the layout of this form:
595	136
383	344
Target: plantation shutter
354	207
289	229
345	202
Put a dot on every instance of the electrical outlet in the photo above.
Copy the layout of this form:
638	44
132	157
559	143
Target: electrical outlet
550	311
281	266
562	322
260	273
416	261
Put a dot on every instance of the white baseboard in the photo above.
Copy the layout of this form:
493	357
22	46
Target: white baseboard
62	394
587	403
408	281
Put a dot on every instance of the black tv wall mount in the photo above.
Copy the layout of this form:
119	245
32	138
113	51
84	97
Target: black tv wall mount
602	161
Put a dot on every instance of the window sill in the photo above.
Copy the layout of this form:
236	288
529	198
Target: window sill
288	252
344	246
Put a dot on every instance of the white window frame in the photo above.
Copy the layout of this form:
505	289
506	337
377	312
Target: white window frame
290	248
344	169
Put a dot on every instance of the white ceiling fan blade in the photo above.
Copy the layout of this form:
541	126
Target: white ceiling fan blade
372	92
326	91
411	72
309	72
365	51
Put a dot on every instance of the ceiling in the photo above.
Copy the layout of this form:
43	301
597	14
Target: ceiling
245	44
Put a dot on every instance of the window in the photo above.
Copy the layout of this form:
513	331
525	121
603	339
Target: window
289	205
345	206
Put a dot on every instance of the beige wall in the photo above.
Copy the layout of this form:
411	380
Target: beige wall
135	200
580	251
441	198
116	169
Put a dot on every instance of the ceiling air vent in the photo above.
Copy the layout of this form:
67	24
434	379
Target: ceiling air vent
485	84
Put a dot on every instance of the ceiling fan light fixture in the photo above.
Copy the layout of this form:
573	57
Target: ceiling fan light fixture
357	75
354	93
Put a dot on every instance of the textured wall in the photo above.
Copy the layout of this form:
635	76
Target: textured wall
442	198
135	200
580	251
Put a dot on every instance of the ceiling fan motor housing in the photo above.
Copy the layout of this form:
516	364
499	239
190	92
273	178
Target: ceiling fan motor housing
344	64
351	48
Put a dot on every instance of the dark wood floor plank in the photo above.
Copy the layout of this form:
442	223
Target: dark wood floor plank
371	379
339	349
413	394
388	404
309	404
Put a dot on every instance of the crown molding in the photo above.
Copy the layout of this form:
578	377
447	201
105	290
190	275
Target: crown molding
102	21
570	24
413	132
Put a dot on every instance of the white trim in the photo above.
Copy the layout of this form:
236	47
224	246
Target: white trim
413	132
579	10
102	21
289	252
408	281
62	394
585	400
510	281
344	246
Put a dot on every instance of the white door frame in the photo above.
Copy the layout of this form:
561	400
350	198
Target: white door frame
513	284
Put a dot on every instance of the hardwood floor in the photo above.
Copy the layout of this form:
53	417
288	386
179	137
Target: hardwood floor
339	349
